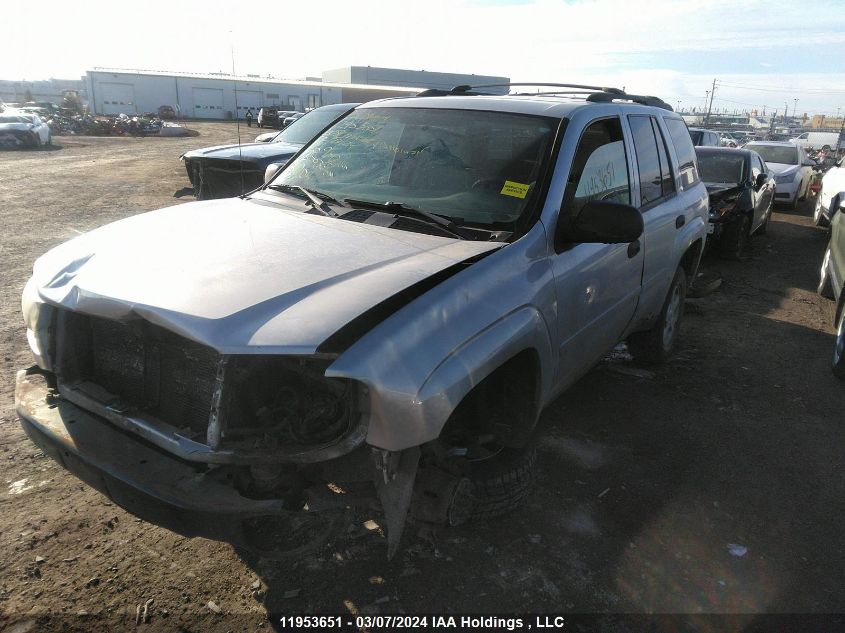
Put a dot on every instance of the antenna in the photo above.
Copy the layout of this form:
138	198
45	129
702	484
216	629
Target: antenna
237	114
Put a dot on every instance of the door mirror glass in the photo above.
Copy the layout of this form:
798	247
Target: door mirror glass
760	180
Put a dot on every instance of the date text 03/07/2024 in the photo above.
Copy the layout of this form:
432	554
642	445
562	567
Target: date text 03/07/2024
421	622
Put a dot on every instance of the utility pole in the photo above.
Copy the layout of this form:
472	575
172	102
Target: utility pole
794	108
710	107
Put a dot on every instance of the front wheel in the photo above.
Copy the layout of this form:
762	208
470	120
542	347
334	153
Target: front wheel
734	238
655	346
763	228
502	483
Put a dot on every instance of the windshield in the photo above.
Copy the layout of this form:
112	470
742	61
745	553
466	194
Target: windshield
721	167
697	136
309	125
477	167
776	153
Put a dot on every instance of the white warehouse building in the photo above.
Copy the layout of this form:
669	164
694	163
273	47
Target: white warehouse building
222	96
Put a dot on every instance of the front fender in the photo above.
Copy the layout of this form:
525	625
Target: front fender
444	389
420	362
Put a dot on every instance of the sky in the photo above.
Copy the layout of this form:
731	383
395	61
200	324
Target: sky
762	53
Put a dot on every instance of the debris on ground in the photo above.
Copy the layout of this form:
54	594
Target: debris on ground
737	550
213	606
631	371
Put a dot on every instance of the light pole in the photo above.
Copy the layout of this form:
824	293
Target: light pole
794	108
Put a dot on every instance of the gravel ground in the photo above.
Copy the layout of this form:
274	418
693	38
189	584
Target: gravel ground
649	479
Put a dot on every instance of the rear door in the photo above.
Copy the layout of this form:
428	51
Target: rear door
663	211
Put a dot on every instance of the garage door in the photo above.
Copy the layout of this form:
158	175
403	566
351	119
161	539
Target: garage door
208	103
248	99
117	98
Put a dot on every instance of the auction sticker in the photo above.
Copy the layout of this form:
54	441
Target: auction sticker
515	189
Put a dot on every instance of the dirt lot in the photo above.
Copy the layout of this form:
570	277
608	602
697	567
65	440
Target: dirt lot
647	477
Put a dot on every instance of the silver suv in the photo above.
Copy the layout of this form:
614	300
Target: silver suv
384	320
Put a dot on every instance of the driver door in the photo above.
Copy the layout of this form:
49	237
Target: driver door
597	285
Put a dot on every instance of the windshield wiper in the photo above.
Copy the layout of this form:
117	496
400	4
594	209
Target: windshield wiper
397	208
319	200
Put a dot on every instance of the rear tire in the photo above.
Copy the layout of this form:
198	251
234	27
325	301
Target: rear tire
655	346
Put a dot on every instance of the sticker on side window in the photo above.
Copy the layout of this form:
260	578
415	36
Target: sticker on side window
515	189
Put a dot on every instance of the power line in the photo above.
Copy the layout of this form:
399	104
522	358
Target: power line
809	91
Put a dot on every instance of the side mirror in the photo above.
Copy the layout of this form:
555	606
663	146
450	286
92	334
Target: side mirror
602	223
761	180
809	163
271	171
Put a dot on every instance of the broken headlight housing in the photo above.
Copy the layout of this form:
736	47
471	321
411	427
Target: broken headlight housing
39	318
288	403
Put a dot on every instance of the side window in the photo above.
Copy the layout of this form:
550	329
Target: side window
599	168
648	160
668	180
683	150
756	168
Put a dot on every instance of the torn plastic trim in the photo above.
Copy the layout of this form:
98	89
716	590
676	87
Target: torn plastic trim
348	334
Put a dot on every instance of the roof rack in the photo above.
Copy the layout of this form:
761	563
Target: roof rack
595	94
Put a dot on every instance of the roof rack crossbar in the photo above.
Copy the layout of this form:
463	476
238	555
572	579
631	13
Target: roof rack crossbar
595	94
465	87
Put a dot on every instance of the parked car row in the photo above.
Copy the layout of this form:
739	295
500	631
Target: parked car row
830	211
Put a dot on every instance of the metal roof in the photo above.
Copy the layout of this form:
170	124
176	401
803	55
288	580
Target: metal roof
247	79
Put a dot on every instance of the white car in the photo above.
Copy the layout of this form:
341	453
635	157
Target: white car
19	129
792	169
831	194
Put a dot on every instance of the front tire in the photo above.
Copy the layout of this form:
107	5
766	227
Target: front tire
655	346
734	238
502	483
764	228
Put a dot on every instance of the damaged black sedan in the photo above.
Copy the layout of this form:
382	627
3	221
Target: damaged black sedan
742	190
226	171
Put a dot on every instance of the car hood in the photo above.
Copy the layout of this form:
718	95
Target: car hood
240	275
781	169
247	151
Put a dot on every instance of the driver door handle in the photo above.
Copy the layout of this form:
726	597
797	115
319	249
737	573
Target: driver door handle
680	221
633	249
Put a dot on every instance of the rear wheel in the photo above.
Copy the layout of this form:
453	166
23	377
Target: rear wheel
655	346
49	139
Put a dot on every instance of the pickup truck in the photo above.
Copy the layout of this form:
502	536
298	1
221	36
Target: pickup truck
379	325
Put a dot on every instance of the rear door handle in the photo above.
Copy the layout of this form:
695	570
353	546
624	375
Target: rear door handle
633	249
680	221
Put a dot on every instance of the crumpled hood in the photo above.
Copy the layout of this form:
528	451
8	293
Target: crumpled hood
719	191
247	151
781	169
242	276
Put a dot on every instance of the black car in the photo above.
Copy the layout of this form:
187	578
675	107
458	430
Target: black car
271	116
742	190
231	170
832	280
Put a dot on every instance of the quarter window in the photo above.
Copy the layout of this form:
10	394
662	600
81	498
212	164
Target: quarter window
683	150
599	168
666	177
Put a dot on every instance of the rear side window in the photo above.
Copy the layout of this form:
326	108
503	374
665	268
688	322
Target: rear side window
648	159
668	180
684	150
